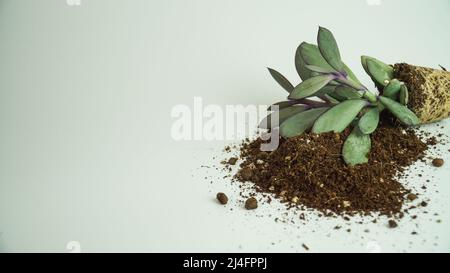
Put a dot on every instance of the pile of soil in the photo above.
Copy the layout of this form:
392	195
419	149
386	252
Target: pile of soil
309	171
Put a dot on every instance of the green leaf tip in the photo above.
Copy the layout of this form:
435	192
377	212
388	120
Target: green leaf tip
300	65
389	69
329	49
400	111
281	80
312	56
378	71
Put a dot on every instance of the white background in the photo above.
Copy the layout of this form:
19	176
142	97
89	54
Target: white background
86	92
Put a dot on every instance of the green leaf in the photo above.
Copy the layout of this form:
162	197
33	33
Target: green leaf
391	90
329	49
339	117
356	147
312	56
336	96
350	73
283	114
404	95
281	80
282	104
369	121
400	111
327	89
310	86
378	74
329	99
299	123
387	68
300	65
347	92
318	69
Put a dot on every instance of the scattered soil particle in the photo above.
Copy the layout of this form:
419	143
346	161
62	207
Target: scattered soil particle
232	161
411	197
432	141
222	197
308	171
392	224
438	162
424	204
251	203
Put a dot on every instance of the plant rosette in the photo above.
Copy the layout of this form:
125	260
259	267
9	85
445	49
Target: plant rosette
330	97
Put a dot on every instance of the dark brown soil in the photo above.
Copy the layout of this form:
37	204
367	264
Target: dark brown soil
222	198
308	171
251	203
414	81
438	162
411	197
392	224
232	160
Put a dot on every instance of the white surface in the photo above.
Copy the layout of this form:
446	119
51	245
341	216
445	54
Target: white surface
86	93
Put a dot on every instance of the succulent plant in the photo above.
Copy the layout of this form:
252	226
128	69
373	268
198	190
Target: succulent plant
330	98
